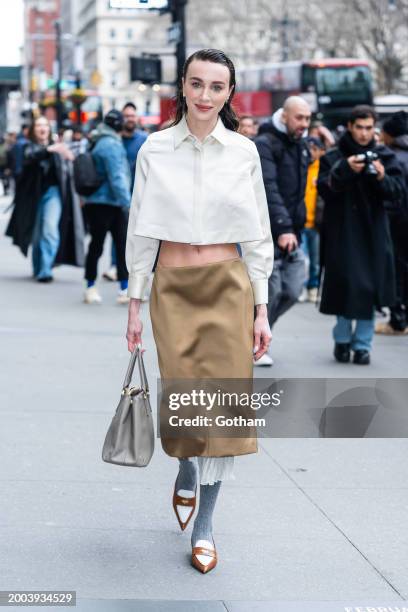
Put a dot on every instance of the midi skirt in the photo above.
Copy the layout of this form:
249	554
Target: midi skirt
202	319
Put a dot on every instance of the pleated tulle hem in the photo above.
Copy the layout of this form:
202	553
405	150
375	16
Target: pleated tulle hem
213	469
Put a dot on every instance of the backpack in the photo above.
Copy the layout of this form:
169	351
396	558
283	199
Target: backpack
86	178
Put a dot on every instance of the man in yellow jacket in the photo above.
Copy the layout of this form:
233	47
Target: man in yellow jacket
310	234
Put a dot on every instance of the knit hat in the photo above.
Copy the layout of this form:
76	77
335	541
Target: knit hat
114	119
317	142
397	124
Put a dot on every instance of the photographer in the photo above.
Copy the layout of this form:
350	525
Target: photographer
356	179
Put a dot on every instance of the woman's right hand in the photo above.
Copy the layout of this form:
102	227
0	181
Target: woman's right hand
135	325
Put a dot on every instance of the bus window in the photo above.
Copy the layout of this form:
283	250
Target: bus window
346	85
308	78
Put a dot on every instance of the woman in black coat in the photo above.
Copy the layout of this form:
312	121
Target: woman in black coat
356	249
46	209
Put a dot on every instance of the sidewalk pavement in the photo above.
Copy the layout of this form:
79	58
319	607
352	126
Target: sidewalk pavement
306	520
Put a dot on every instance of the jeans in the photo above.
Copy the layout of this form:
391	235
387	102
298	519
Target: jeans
362	336
101	219
285	283
310	245
46	234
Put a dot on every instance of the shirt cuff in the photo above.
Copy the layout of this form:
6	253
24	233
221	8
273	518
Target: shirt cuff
137	286
260	291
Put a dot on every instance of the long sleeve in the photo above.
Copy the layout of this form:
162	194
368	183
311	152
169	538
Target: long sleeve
113	162
258	255
342	177
141	251
280	218
34	153
392	187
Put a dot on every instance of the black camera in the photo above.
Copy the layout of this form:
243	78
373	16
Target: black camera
368	157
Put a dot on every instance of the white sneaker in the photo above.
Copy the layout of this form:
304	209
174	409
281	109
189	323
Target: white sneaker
92	296
265	360
123	297
111	274
312	295
303	297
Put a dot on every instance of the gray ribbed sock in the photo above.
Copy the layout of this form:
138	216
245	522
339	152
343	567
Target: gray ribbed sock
187	476
202	529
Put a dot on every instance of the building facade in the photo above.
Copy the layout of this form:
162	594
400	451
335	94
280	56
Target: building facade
39	44
109	38
68	16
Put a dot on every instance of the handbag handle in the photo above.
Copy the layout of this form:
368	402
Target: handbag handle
136	355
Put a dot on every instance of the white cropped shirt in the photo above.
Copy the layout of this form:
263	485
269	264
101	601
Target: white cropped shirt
199	193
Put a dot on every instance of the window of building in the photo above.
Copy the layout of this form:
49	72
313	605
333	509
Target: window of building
129	33
113	55
112	33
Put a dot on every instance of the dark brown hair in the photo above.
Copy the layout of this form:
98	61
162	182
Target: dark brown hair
362	111
31	133
227	113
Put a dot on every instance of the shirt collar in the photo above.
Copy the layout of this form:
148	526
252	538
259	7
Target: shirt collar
182	131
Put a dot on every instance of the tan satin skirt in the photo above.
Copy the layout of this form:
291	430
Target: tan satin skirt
202	319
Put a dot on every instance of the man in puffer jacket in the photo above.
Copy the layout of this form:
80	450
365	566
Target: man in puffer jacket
285	160
107	209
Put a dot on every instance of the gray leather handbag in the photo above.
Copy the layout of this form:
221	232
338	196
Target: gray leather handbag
130	437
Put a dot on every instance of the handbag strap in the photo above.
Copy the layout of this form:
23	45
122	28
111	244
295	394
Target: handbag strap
136	356
142	373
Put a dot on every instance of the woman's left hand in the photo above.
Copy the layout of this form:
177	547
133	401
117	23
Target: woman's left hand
262	332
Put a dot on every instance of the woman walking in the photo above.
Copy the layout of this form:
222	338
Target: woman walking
199	190
46	208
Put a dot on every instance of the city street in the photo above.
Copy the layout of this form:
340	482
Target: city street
306	520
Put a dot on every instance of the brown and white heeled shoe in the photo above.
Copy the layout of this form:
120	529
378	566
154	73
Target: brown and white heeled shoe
204	559
180	504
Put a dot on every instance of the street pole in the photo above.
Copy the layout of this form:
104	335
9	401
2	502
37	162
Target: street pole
30	83
58	101
285	25
78	85
178	15
79	66
285	38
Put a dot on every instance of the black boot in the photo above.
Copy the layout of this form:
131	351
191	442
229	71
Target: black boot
342	352
361	357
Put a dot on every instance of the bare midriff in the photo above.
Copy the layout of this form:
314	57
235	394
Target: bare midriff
180	254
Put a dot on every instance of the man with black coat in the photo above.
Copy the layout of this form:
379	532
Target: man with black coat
357	180
285	159
395	136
